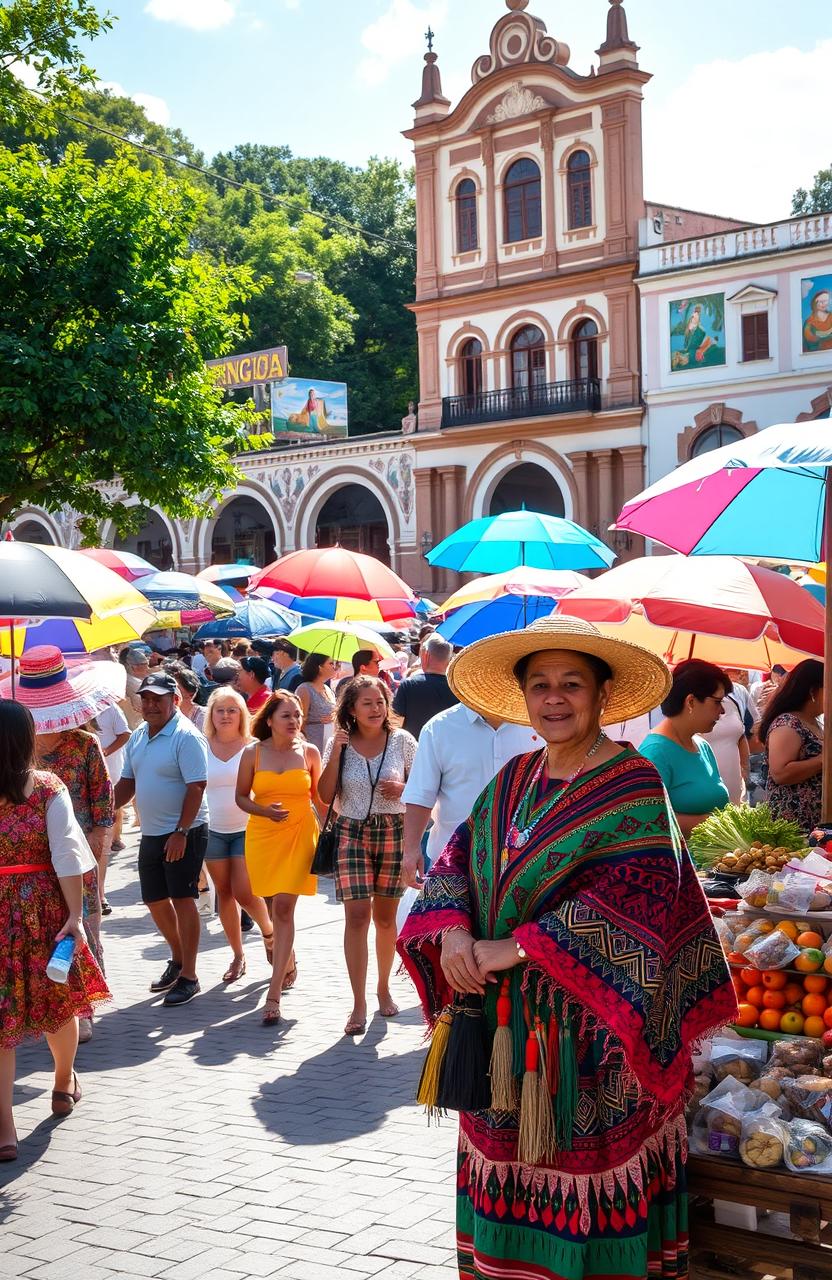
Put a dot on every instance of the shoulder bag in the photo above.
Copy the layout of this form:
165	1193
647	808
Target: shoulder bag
323	861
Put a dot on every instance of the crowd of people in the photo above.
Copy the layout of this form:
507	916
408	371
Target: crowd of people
553	897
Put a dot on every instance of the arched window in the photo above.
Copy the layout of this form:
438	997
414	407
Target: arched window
466	216
715	438
585	349
528	358
523	215
579	190
470	367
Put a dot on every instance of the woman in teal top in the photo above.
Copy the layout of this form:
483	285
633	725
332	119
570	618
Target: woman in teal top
686	763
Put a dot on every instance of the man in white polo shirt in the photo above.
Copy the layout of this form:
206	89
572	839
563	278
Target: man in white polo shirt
458	754
165	767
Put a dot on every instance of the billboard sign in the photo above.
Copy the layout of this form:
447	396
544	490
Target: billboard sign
256	368
306	409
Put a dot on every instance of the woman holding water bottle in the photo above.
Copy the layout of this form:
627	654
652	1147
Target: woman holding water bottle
366	765
43	858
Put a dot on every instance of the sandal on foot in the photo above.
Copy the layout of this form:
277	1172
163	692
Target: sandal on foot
63	1104
268	943
388	1009
355	1028
235	970
271	1013
290	978
8	1153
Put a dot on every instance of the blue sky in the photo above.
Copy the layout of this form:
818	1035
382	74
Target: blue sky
736	116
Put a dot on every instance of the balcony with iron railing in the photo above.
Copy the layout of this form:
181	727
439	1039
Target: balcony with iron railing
576	395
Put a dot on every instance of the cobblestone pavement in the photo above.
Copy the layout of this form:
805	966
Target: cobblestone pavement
209	1146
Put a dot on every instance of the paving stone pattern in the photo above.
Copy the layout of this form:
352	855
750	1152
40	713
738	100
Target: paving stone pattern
209	1146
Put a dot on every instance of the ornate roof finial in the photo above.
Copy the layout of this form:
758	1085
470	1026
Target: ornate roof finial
432	96
618	37
429	35
517	6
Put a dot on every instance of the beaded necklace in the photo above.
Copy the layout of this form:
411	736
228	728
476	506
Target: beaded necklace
519	836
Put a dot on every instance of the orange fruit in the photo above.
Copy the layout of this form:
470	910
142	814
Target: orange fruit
774	979
827	964
815	982
827	1017
769	1019
791	1024
735	957
789	928
755	996
809	939
750	976
793	991
747	1016
814	1006
777	1000
814	1027
809	960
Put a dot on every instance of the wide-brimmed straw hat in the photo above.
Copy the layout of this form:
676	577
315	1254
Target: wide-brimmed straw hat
482	676
61	697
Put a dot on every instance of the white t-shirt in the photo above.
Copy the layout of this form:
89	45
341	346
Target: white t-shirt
68	848
224	814
353	800
112	722
724	739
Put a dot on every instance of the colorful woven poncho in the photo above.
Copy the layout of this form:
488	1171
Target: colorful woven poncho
625	973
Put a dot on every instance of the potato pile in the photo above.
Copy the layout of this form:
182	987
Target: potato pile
760	857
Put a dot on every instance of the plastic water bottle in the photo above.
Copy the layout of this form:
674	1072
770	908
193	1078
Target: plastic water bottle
60	960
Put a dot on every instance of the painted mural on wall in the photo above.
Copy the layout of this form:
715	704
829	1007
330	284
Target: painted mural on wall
288	484
816	316
697	332
301	409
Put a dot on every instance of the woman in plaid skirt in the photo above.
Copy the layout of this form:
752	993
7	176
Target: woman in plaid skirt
367	763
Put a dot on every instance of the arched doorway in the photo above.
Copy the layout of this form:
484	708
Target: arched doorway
530	486
152	542
354	518
243	531
33	531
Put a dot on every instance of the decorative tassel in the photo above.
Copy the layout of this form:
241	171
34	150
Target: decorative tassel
428	1092
566	1100
546	1119
528	1136
463	1082
553	1056
501	1071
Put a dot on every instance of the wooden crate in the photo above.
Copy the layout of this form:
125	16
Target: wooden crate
727	1253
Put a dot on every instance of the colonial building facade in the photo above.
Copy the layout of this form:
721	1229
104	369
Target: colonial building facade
562	358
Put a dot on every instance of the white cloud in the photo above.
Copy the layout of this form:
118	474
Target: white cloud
738	137
395	36
199	15
155	108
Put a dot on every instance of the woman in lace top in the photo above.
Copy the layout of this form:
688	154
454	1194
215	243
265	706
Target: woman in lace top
366	765
794	745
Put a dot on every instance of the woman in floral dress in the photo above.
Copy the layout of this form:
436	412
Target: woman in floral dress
793	740
43	857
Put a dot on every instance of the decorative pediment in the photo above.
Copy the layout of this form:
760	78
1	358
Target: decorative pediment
517	101
754	293
517	40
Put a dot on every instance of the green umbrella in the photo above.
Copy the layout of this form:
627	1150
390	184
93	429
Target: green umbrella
339	640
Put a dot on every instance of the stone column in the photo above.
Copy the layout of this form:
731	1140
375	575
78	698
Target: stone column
547	142
632	482
430	384
422	576
490	268
606	493
623	376
580	471
427	220
451	519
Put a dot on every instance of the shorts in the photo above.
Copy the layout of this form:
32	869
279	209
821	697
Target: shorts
225	844
159	879
368	860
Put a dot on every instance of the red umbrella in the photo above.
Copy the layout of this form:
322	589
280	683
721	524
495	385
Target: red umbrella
333	571
124	563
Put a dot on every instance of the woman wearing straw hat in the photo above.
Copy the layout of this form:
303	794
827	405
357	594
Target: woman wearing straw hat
564	954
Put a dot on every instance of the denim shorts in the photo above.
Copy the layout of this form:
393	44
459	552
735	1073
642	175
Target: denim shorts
225	844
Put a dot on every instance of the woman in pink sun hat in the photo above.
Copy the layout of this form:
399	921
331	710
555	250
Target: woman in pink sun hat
61	700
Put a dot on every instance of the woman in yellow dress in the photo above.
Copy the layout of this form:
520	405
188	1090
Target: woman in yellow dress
277	785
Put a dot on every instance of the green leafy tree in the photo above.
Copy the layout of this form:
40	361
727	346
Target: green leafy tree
819	198
41	41
106	319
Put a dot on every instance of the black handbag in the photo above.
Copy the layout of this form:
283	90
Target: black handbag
323	861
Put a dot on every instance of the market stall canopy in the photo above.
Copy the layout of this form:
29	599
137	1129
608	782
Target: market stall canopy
494	544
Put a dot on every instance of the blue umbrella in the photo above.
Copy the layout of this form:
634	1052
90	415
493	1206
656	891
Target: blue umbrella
491	617
494	544
254	618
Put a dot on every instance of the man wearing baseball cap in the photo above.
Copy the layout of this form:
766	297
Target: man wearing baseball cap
165	767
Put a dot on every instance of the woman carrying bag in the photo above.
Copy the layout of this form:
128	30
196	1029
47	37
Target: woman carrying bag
369	832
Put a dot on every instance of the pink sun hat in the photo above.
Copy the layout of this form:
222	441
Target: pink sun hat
62	697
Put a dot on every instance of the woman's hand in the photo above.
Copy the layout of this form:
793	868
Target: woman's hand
458	964
493	958
391	789
340	739
73	928
277	812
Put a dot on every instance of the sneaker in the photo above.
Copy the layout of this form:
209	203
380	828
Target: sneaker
206	906
246	922
84	1030
168	978
183	990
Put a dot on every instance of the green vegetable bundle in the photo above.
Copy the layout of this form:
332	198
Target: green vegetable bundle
737	827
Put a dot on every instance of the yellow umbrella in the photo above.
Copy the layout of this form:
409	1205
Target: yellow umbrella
339	640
